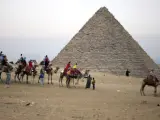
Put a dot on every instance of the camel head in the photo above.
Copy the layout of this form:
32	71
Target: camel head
56	70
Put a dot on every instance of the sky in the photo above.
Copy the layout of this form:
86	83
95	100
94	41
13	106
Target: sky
37	28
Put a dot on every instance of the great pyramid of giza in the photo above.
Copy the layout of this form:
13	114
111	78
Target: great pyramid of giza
104	45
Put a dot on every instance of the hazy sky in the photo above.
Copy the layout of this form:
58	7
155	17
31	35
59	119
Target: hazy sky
39	27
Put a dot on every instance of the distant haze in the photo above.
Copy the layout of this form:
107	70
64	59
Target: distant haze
43	27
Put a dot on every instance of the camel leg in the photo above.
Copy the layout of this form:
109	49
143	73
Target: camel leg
15	77
38	79
34	75
73	83
66	81
0	77
155	91
48	78
142	89
27	79
18	78
60	80
69	80
21	77
51	79
77	81
33	79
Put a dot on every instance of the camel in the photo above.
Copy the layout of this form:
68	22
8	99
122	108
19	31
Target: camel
18	72
28	73
50	72
150	82
68	77
21	67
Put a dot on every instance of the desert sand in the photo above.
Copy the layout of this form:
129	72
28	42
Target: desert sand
115	98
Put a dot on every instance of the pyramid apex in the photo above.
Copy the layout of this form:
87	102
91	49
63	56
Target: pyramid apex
103	9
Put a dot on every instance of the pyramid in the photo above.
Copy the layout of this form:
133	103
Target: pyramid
102	44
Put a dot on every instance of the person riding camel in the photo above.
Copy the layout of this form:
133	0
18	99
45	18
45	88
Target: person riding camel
46	61
1	56
30	65
151	73
21	58
5	60
75	69
68	66
1	53
75	66
24	63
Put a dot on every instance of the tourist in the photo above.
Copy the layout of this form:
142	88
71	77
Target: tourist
75	66
153	75
24	61
46	61
1	56
67	67
93	83
5	60
42	72
88	84
8	78
30	65
127	73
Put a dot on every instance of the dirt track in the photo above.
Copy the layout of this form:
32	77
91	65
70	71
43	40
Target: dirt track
115	98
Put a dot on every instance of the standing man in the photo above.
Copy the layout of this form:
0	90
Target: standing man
127	73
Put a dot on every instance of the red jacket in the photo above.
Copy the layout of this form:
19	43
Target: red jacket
30	64
68	66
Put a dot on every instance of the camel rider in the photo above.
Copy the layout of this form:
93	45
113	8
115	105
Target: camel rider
24	63
1	53
67	67
21	58
5	60
46	61
152	74
30	65
75	68
1	56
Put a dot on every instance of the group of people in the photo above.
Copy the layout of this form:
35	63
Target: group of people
30	63
22	60
67	70
90	81
70	70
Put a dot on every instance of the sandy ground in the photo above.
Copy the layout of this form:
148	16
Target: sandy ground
115	98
